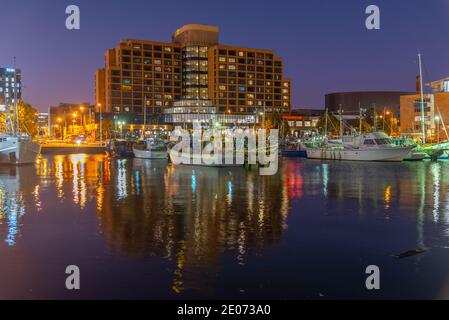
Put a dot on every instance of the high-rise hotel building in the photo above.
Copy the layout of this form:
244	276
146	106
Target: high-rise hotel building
192	77
8	85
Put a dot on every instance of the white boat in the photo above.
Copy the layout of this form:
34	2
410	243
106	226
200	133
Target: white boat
373	146
150	150
416	156
17	149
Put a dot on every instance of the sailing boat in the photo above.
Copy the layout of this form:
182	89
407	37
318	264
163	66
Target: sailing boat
17	148
434	151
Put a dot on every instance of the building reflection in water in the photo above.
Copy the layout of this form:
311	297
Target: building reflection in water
191	215
196	216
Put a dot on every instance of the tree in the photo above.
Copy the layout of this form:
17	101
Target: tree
3	126
274	120
27	119
106	126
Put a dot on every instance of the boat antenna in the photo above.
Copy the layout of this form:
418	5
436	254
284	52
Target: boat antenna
423	119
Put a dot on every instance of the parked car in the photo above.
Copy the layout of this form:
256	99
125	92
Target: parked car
79	140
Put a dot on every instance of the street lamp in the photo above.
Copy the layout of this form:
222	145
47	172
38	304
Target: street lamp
101	126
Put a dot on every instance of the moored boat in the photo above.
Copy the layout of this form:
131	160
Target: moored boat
150	150
373	146
18	149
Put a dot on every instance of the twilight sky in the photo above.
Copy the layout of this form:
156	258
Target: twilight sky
325	44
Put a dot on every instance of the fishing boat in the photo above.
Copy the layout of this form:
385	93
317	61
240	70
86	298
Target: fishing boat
120	148
372	146
150	149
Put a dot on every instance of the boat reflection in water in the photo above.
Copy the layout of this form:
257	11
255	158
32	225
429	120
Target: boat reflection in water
16	184
191	215
196	232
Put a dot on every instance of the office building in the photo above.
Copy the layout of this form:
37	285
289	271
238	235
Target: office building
10	79
436	111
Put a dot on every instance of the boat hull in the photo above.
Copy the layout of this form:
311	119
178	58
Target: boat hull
150	154
197	160
382	155
19	152
415	156
294	153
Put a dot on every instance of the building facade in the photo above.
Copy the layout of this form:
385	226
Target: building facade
71	119
10	81
173	79
303	122
436	112
42	124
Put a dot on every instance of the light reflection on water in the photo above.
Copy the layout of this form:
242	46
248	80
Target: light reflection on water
193	217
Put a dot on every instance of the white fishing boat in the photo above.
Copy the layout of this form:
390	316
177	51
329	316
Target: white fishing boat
18	149
373	146
150	150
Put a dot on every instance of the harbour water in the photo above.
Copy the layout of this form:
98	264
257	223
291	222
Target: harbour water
142	229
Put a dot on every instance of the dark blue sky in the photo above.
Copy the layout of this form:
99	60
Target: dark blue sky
325	44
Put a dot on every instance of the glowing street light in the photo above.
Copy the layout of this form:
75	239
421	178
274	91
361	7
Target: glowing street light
101	127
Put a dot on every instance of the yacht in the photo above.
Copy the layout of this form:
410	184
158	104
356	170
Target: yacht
373	146
18	149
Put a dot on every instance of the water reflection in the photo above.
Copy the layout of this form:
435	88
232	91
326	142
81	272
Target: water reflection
190	215
16	184
194	217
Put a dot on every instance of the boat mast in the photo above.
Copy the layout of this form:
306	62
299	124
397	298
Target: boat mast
360	119
144	117
16	111
325	124
423	119
341	122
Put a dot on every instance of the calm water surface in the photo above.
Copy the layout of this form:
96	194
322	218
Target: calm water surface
143	229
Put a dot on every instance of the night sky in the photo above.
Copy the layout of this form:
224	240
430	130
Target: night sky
325	44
